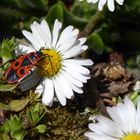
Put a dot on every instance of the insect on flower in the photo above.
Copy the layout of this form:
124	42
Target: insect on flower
60	74
19	68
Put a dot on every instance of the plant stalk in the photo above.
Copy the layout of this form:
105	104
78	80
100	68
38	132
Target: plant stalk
91	24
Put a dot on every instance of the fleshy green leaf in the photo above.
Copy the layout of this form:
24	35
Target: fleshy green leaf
84	9
18	135
15	123
35	113
71	19
6	51
5	126
41	128
18	105
5	55
95	42
4	106
56	12
8	87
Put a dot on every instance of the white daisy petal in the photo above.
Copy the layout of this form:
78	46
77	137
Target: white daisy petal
109	127
40	88
55	32
78	68
95	128
35	27
119	118
82	40
114	114
121	110
23	49
76	75
120	2
83	62
76	89
32	39
61	97
79	42
67	44
46	33
48	94
65	86
111	5
125	119
93	1
101	4
94	136
63	81
42	31
66	33
130	108
73	80
84	48
74	51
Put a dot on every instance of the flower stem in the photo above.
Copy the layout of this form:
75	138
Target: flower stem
91	24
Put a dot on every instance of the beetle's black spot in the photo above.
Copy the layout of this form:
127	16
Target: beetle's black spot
26	62
22	71
16	64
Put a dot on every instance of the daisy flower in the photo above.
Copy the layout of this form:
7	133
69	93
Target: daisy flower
110	4
58	73
124	123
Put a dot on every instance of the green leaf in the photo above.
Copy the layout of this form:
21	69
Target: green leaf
95	42
40	3
35	113
60	12
71	19
8	87
18	135
134	95
5	126
35	117
13	126
15	123
56	12
41	128
4	106
6	50
84	9
18	105
5	55
9	44
132	5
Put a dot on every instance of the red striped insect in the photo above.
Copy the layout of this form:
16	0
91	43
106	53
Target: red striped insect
19	68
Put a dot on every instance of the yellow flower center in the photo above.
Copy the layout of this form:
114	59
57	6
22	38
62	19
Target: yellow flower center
132	137
50	63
